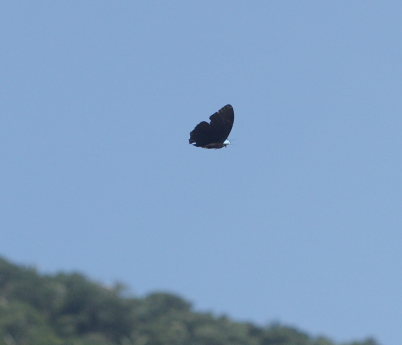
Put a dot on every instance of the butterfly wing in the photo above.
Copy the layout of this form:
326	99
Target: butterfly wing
222	123
202	134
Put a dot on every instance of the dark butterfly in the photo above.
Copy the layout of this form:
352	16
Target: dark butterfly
213	135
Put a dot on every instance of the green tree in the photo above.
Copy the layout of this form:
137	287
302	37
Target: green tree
70	309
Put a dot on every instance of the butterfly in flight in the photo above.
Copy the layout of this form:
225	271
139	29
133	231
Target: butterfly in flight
214	135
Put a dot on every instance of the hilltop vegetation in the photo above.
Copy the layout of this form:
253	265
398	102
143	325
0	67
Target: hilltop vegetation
70	309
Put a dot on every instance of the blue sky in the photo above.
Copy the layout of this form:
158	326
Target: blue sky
298	221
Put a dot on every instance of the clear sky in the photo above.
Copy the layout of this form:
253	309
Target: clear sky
298	221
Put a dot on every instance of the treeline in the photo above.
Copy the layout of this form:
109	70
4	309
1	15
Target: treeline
70	309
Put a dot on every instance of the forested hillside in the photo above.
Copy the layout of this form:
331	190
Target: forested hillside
70	309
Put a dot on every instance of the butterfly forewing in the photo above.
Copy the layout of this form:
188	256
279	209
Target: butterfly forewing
222	122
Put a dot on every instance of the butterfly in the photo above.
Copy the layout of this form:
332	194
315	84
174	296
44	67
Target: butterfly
214	135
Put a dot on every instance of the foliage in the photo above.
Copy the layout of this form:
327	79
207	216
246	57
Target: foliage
69	309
